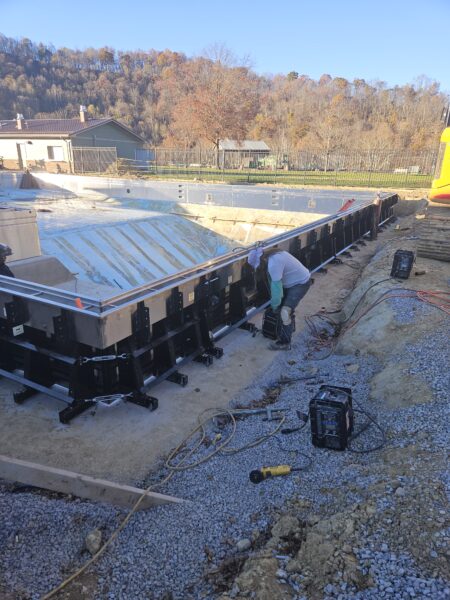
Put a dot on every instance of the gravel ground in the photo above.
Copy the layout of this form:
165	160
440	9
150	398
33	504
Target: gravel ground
166	552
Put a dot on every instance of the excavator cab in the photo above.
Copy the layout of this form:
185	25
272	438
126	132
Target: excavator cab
440	188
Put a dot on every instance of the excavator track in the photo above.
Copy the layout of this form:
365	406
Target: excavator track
434	233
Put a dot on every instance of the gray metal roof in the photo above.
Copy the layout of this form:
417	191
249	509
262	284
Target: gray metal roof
245	145
49	127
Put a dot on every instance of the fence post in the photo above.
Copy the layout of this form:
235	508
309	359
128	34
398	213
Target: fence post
406	176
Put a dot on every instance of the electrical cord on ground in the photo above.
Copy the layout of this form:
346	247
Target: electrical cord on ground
298	452
438	299
390	279
370	421
172	470
220	448
288	431
323	337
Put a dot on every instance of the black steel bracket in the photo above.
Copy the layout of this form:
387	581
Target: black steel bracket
179	378
204	358
250	327
140	324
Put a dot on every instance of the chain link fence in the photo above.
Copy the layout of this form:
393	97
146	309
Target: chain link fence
393	169
94	160
390	169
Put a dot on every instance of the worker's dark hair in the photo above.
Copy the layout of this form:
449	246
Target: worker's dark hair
5	250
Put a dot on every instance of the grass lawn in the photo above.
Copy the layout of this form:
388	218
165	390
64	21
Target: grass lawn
330	178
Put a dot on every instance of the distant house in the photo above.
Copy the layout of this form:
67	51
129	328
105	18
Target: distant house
247	153
57	145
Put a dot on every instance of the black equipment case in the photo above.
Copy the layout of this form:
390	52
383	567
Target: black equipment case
271	324
331	415
402	264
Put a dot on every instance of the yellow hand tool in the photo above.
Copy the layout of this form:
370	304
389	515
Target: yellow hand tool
259	475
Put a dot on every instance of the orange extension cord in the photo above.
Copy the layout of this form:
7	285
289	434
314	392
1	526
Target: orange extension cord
438	299
322	339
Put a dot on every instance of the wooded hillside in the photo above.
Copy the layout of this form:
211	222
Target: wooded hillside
174	100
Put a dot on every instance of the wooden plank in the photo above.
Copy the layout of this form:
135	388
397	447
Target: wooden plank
68	482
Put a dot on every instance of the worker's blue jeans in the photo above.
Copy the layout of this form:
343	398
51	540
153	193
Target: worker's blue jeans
291	298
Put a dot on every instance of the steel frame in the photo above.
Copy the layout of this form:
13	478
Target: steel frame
115	349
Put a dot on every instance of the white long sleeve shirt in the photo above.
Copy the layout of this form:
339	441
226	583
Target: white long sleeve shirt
284	267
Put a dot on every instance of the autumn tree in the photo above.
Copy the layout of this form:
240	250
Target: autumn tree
222	104
169	98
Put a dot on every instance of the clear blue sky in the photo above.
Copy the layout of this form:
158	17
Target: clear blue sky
391	40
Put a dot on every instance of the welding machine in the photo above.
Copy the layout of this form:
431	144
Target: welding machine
331	416
271	325
402	264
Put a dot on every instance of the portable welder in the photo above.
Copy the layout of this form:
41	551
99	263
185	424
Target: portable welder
271	324
402	264
331	416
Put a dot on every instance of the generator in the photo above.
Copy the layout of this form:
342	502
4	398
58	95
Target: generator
402	264
271	325
331	417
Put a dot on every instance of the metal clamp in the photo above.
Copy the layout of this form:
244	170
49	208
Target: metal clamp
105	358
109	400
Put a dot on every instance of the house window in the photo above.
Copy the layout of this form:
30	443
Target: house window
55	152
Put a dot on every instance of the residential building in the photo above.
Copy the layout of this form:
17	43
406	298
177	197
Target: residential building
57	145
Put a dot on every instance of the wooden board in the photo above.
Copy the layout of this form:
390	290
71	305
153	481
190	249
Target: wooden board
68	482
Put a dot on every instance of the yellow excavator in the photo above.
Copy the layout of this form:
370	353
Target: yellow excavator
440	188
434	233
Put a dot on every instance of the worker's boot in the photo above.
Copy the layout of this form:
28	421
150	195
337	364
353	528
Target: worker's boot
279	346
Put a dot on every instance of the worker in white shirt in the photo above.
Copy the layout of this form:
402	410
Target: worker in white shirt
289	281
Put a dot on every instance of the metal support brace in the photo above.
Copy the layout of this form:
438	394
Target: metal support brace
204	358
24	394
179	378
103	358
251	327
79	406
215	351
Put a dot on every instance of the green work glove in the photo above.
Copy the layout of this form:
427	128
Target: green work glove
276	294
